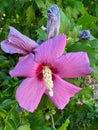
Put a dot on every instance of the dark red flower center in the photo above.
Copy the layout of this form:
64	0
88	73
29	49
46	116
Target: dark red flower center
45	74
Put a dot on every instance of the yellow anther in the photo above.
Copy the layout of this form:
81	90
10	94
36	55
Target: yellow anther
68	38
47	77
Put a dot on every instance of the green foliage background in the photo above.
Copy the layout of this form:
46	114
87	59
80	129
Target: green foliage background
28	16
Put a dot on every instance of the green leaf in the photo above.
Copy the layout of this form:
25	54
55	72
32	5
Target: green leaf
6	103
96	10
65	22
2	58
3	61
40	4
4	64
10	125
3	113
87	21
95	69
14	115
24	127
41	34
74	34
65	125
30	15
46	128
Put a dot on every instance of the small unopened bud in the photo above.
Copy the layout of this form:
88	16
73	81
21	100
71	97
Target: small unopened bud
47	117
53	112
53	23
85	34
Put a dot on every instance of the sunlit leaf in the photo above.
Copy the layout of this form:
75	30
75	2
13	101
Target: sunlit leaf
14	115
30	15
24	127
41	34
3	113
65	125
40	3
87	21
65	23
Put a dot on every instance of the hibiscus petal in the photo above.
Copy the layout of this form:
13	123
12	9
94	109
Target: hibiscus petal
8	47
26	67
29	93
18	43
50	49
63	91
73	65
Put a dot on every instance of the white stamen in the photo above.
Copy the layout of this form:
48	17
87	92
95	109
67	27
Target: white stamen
47	77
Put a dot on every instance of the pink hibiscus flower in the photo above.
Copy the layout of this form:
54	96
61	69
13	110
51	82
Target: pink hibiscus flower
18	43
44	72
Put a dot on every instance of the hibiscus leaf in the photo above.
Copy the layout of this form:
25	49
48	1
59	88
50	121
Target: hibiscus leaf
87	21
40	3
24	127
65	125
30	15
10	125
7	103
3	113
14	115
41	34
66	23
